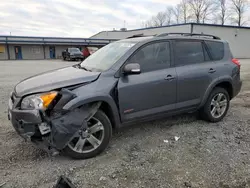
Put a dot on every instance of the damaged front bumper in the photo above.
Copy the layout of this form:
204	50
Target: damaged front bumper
51	133
25	121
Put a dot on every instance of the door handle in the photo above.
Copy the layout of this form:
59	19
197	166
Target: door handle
211	70
169	77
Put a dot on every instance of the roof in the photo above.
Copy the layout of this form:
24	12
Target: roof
200	24
174	25
53	40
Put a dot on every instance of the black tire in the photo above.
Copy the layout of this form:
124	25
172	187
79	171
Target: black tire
64	58
206	114
101	116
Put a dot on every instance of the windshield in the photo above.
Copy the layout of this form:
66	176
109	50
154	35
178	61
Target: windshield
74	50
104	58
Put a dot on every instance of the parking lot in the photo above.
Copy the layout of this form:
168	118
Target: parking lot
144	155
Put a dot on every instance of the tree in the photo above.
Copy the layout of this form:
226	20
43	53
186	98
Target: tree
146	24
222	15
184	10
169	15
159	19
156	21
207	11
239	8
177	13
201	9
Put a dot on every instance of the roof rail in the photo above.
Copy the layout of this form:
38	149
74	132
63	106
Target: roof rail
189	34
137	35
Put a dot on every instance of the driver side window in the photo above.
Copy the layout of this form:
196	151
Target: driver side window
153	56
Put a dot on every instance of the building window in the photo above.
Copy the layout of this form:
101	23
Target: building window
2	49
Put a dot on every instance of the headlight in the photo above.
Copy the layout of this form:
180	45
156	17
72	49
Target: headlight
39	101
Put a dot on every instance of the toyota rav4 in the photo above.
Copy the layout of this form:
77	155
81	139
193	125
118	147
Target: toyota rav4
75	109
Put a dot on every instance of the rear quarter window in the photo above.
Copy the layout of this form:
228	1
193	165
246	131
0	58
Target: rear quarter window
216	50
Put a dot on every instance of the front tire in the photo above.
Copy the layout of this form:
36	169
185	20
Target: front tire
95	140
217	105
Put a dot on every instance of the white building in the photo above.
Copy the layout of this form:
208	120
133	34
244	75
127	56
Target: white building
22	47
238	37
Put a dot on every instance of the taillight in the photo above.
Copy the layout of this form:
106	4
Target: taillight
236	62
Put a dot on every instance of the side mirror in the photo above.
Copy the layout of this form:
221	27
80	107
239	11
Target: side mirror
132	68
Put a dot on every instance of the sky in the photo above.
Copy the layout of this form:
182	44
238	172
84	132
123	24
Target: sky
75	18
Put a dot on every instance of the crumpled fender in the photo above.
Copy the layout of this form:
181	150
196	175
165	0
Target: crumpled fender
64	127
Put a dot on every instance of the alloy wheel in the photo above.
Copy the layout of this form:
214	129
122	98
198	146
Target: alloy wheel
87	140
218	105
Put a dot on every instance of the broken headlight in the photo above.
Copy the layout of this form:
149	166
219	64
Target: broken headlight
38	101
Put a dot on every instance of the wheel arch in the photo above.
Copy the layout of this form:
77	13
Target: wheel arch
108	106
225	83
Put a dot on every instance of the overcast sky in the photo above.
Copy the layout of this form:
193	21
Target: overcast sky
74	18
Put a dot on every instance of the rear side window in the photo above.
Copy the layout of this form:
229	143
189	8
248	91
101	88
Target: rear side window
152	57
216	49
189	52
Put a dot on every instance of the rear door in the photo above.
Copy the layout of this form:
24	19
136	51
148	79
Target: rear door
154	90
195	72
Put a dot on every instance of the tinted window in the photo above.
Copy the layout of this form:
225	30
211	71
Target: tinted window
216	49
74	50
153	57
188	52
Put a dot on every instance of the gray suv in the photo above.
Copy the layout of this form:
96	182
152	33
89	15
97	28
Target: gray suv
75	109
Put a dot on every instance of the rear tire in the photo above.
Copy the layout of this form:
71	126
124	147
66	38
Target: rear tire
217	105
106	129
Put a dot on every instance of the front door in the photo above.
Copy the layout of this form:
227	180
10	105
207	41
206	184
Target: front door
52	52
18	52
154	90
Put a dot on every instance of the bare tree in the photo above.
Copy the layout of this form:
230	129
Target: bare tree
149	23
145	24
222	14
239	7
177	13
169	15
201	9
208	10
156	21
159	19
184	10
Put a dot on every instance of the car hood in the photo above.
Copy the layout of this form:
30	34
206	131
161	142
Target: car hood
54	79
